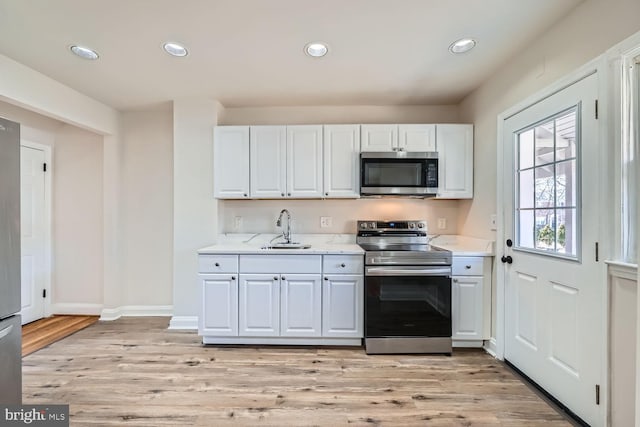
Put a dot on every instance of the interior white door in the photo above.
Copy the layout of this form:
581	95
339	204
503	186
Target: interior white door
32	225
553	313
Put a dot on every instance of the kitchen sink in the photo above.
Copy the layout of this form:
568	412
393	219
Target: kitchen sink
289	246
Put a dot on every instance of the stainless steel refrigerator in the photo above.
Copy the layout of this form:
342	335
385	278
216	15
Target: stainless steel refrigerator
10	325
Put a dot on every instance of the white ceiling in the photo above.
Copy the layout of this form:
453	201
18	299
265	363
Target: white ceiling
250	52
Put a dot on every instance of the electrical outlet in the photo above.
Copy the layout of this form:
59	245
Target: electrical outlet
442	223
237	223
326	221
493	222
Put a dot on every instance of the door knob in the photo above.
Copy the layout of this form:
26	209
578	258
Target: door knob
506	259
509	242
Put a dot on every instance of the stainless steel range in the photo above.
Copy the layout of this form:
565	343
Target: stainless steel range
407	289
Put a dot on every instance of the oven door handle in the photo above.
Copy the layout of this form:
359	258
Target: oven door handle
391	271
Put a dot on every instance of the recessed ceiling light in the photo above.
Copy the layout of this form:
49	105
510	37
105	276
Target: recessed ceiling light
175	49
462	45
84	52
316	49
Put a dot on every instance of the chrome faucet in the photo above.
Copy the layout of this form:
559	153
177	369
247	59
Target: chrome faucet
286	232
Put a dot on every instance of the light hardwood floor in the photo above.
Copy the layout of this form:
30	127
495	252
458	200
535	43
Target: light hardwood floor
41	333
134	371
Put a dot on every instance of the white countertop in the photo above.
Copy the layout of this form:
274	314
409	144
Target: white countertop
464	246
321	244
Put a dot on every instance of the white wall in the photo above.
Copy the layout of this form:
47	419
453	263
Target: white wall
194	208
588	31
77	252
147	208
77	218
259	216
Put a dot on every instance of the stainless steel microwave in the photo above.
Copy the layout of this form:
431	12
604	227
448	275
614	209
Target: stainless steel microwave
399	173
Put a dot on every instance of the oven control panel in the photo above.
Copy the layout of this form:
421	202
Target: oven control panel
392	225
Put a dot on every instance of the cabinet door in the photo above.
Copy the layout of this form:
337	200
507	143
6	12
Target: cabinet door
466	308
342	305
219	314
417	137
304	161
231	162
259	308
379	137
455	161
268	161
300	305
342	161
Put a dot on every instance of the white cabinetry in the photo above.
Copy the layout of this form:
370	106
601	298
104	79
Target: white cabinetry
268	161
455	161
231	162
300	305
470	296
259	305
219	312
341	161
286	161
343	296
281	299
421	137
304	161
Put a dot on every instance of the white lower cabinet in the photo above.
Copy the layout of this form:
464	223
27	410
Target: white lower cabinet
470	300
300	305
259	305
342	305
466	307
219	305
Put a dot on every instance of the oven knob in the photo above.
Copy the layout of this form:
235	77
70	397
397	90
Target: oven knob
363	225
420	225
372	225
412	225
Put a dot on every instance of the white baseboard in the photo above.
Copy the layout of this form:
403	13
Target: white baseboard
491	347
75	308
184	322
136	311
467	343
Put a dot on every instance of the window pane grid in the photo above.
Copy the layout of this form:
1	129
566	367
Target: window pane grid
546	175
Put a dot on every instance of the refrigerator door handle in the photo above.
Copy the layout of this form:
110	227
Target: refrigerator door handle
6	331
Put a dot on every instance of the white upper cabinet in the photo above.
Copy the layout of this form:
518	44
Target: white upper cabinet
417	137
268	161
304	161
342	161
379	137
455	161
231	162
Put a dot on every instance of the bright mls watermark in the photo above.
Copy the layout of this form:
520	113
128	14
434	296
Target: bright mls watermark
34	415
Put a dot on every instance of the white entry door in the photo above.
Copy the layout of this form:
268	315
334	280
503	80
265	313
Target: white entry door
32	225
553	309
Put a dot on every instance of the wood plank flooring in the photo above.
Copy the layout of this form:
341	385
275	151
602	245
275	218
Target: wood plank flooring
134	371
41	333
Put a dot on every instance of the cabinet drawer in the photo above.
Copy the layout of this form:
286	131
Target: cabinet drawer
467	266
343	264
305	264
218	263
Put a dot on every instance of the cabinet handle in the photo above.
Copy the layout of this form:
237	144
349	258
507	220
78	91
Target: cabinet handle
217	264
282	194
326	278
467	267
326	194
288	194
343	265
275	278
245	194
284	278
455	280
233	277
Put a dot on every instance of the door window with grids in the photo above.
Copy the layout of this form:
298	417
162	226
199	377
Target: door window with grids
547	214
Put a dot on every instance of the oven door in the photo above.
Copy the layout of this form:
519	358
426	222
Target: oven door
405	301
381	174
